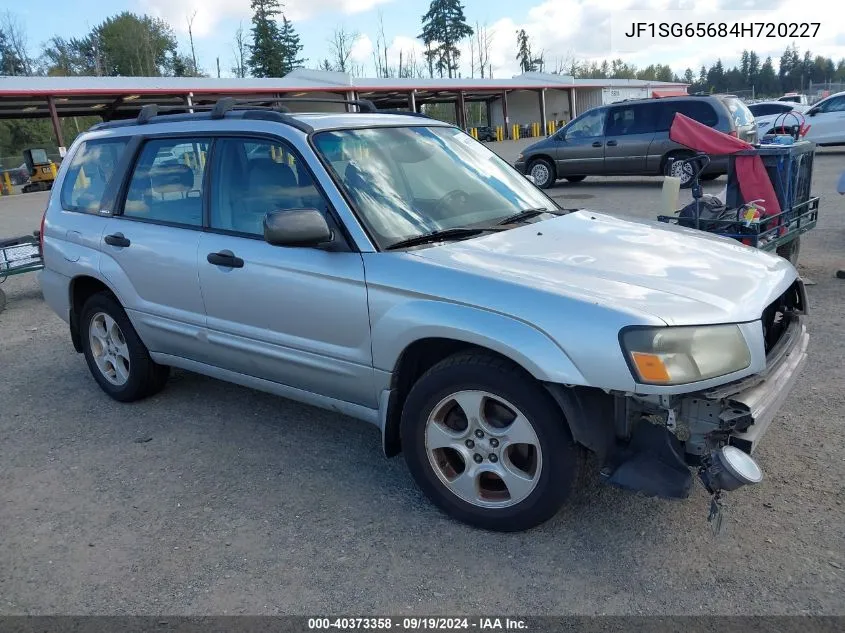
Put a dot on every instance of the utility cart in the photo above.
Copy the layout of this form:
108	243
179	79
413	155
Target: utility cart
768	202
19	255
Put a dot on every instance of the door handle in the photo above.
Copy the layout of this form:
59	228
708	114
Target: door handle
116	239
225	258
597	144
611	143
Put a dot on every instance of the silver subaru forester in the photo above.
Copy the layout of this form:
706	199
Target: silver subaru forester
391	268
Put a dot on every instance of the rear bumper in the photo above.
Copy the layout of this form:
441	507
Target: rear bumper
56	290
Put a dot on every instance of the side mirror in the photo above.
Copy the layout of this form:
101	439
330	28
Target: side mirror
812	112
296	227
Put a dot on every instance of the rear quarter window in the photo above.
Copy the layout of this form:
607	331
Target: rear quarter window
740	114
90	170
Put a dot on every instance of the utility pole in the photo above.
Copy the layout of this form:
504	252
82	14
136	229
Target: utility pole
218	68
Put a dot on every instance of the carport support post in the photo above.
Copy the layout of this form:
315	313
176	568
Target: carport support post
505	116
412	101
542	93
489	105
54	117
572	112
461	111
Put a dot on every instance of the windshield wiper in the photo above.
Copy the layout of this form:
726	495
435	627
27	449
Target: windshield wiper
438	236
525	214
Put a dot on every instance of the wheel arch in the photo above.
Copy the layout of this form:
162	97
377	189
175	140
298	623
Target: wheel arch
81	288
437	332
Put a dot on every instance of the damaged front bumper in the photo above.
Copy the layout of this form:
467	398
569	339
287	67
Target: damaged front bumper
667	436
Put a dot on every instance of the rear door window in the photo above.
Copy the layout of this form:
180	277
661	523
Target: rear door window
90	170
167	182
630	119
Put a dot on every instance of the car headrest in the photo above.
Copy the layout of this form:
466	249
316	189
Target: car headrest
172	178
267	176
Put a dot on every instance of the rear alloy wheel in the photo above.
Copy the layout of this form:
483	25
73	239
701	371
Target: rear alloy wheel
543	173
679	168
487	444
116	356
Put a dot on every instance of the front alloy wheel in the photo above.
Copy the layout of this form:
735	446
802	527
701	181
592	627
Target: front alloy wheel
487	443
483	449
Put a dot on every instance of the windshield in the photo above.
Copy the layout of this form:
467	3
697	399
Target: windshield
410	181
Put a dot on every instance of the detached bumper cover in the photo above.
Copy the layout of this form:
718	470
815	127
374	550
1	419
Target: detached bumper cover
764	399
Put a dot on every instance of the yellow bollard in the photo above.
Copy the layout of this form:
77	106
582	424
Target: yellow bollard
7	184
53	169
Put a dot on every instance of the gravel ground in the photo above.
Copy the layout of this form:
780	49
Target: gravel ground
211	498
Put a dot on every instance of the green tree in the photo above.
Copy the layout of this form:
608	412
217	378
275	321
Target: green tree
130	45
689	78
753	68
267	55
291	47
768	82
443	27
10	62
523	51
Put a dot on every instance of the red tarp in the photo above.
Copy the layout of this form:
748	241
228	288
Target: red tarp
754	181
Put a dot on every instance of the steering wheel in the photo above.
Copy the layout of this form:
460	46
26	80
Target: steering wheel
455	198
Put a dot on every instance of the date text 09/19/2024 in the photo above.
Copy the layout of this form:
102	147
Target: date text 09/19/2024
419	623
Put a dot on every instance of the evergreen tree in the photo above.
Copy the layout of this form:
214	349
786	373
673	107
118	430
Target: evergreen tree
523	51
689	78
753	68
291	47
267	56
443	26
745	66
768	80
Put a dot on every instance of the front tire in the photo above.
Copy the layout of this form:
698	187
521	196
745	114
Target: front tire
117	358
543	172
487	444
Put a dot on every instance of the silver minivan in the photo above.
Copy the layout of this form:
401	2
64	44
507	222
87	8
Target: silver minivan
394	269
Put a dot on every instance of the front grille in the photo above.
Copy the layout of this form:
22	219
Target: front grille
780	313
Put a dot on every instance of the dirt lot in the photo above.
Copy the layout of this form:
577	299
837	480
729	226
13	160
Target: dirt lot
211	498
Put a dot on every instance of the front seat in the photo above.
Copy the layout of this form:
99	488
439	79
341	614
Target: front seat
271	186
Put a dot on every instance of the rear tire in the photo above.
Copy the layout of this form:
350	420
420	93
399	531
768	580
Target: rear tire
674	168
117	358
543	172
487	444
791	250
575	178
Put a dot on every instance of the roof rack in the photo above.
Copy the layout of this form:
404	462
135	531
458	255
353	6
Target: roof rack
227	104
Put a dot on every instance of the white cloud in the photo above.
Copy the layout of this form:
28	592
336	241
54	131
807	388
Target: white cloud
210	13
362	50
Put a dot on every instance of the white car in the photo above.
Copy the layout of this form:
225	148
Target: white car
827	120
767	114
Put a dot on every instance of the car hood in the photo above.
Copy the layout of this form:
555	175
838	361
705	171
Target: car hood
680	276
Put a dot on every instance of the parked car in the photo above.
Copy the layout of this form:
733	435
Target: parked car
394	269
826	121
794	97
768	113
631	138
17	175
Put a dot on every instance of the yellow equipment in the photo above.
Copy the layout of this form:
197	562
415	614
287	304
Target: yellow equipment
42	171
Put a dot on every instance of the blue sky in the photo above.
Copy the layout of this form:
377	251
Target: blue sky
564	29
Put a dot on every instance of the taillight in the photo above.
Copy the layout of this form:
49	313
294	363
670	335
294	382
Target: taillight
41	233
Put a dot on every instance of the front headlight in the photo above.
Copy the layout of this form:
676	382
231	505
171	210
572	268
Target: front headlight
520	158
678	355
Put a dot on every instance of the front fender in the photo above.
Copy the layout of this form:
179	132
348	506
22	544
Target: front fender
410	321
